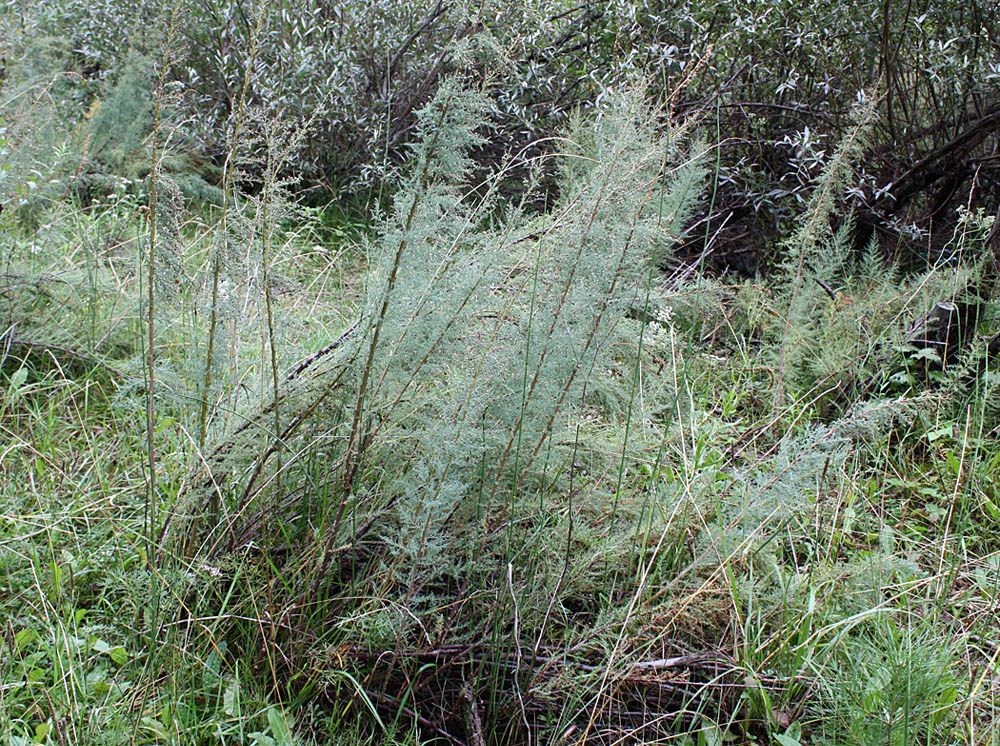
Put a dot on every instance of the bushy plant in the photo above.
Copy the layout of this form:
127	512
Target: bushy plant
443	421
511	472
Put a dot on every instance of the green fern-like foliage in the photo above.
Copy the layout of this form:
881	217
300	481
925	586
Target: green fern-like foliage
816	254
832	319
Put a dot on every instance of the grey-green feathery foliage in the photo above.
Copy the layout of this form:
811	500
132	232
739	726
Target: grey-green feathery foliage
510	329
37	99
767	496
482	335
118	129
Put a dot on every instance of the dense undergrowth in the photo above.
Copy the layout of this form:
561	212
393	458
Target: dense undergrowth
474	471
775	79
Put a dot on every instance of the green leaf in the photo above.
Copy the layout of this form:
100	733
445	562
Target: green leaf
231	699
710	734
57	575
17	379
941	432
990	507
786	740
41	731
119	655
25	637
155	727
927	353
279	727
